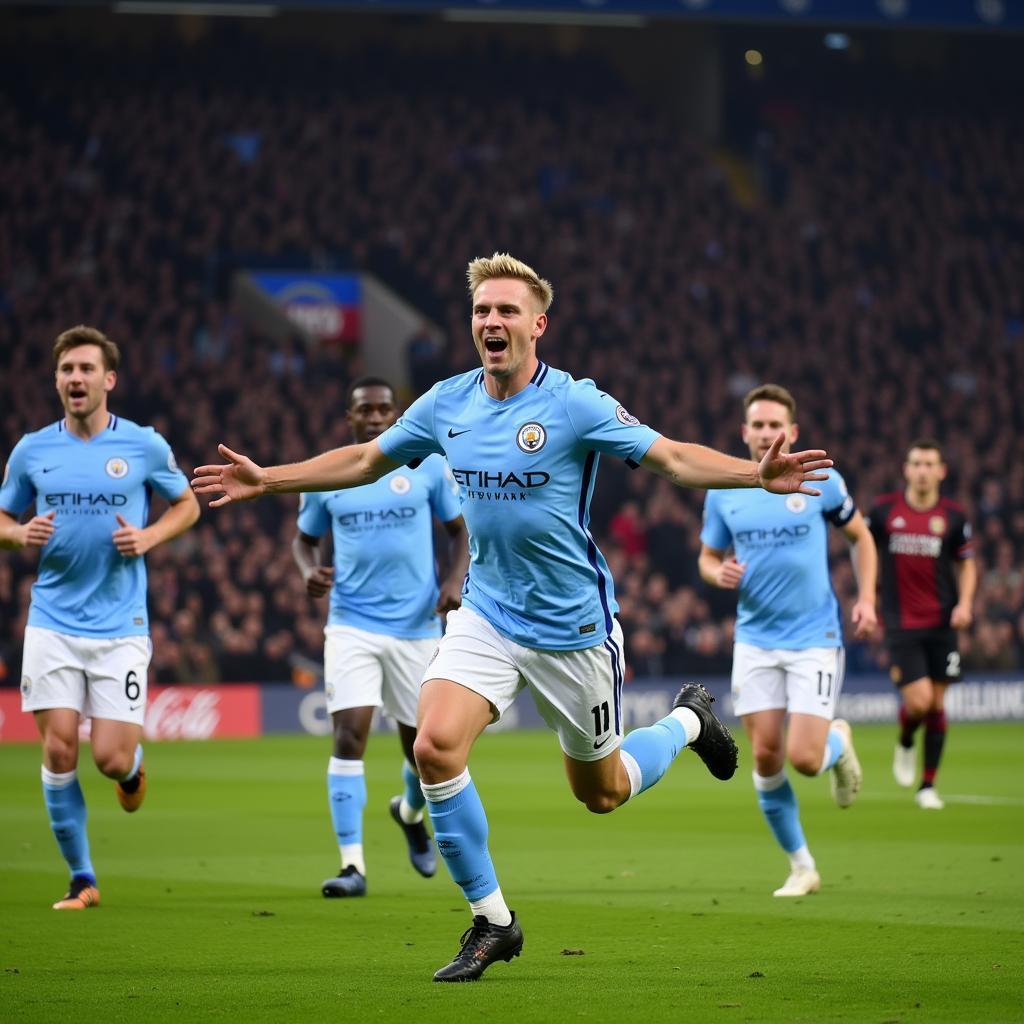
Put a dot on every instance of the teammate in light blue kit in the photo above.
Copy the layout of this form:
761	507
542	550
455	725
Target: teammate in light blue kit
789	641
87	649
524	441
384	621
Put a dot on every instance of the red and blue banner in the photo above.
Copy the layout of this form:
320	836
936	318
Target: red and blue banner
328	306
172	713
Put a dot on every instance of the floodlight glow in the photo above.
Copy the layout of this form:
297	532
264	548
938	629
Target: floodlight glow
837	41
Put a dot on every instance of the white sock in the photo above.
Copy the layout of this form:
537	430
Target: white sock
58	779
689	721
409	814
339	766
801	859
493	908
632	770
352	856
437	792
766	783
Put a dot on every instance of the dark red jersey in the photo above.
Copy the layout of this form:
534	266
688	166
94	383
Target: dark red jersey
916	552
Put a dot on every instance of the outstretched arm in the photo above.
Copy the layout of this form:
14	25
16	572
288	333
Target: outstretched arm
693	465
240	479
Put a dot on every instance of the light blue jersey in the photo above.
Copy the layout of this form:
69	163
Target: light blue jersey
84	587
385	580
786	598
526	467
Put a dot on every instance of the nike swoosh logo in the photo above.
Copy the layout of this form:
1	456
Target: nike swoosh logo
598	746
134	707
458	433
50	469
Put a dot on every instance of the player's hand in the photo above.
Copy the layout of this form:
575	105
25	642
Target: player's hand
319	580
730	572
239	480
783	473
962	617
450	597
130	541
865	619
36	532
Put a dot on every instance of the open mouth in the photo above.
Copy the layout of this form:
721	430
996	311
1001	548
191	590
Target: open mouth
495	345
76	394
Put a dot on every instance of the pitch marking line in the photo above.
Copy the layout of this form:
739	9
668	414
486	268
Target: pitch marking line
986	801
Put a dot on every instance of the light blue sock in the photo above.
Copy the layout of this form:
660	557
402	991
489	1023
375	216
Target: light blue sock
66	807
460	831
346	790
654	748
834	746
413	794
780	809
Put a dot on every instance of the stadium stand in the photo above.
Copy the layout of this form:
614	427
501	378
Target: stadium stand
878	273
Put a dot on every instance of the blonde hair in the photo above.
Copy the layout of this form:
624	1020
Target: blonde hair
501	264
771	393
82	335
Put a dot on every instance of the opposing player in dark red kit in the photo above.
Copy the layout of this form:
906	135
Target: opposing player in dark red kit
928	582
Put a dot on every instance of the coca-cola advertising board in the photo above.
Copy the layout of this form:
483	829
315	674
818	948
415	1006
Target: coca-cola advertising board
203	712
172	713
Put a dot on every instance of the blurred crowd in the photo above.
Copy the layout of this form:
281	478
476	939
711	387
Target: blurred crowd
870	261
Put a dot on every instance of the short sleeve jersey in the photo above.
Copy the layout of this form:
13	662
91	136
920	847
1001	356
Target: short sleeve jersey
526	468
385	578
786	599
917	549
84	587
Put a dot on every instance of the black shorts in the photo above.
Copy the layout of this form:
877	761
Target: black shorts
918	653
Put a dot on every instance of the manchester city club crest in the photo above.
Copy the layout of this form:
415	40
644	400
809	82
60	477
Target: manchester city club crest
400	484
623	415
796	503
531	437
116	467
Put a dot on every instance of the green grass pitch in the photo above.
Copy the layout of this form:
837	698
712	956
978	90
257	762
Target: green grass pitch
212	911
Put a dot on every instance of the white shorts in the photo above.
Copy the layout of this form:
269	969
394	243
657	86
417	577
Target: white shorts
363	669
98	678
578	693
807	681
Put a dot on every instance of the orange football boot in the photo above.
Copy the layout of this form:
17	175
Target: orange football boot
133	801
81	895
